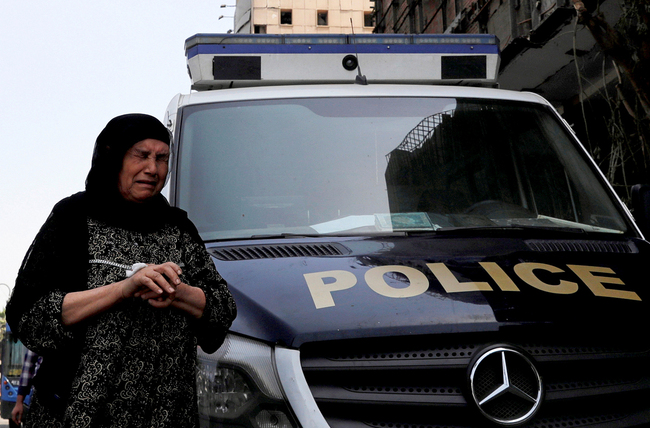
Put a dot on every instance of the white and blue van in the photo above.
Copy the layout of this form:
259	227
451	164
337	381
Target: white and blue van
408	245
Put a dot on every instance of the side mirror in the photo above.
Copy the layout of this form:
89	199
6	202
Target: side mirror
641	207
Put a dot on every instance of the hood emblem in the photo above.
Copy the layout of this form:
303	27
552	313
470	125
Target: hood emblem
505	385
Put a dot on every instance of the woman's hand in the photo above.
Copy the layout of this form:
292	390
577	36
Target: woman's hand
161	286
185	297
154	281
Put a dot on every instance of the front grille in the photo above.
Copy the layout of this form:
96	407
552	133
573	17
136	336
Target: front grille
402	383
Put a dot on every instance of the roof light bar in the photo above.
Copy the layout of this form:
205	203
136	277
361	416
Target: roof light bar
230	60
228	39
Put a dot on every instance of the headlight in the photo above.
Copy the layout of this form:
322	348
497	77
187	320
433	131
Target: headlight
237	386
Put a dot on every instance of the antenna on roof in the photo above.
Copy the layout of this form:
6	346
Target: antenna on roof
360	79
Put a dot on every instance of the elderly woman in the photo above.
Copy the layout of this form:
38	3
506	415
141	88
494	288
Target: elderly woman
116	292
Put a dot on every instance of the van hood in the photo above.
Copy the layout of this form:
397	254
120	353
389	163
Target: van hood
294	291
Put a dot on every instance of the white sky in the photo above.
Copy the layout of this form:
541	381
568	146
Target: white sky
66	68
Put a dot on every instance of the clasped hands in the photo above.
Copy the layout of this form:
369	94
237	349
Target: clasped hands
160	285
157	284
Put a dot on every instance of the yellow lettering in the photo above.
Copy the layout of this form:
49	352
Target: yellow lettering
499	276
525	272
418	282
321	292
451	284
595	283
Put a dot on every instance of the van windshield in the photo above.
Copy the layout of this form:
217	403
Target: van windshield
373	165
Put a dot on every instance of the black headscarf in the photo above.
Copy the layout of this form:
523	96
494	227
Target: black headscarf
119	135
106	202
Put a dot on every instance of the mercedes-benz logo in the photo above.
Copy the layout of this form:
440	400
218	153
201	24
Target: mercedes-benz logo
505	385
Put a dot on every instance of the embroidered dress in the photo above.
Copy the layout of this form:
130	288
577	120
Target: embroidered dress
133	365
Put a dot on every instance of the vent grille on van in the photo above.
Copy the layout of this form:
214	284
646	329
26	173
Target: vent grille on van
582	246
274	251
421	382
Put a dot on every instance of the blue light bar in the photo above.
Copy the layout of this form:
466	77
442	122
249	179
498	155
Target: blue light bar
340	43
342	39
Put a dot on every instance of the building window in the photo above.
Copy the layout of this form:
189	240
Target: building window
285	17
321	17
260	29
368	19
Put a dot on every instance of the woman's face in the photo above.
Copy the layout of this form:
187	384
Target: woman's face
144	170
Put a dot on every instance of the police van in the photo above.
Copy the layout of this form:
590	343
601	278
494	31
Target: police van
408	246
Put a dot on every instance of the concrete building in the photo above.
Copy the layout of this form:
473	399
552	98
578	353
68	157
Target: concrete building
304	16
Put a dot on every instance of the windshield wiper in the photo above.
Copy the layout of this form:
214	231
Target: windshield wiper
510	228
540	224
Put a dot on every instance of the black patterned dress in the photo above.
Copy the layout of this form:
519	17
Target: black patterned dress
136	363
